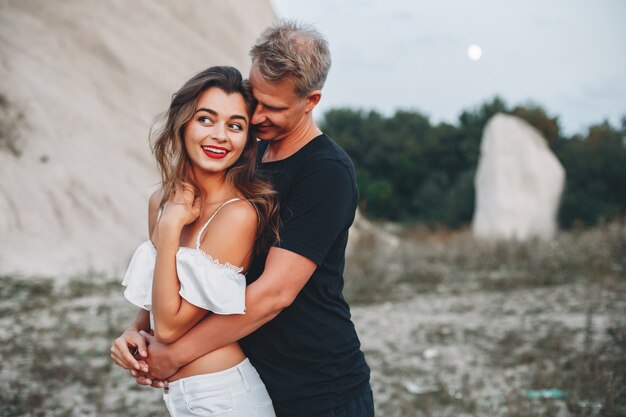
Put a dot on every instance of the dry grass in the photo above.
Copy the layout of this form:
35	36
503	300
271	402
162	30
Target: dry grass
426	261
450	327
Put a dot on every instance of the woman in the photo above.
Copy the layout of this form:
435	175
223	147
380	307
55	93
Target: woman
210	216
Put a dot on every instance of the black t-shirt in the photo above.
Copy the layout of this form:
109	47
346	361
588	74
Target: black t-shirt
309	356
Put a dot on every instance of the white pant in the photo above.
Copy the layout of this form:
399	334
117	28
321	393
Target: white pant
237	391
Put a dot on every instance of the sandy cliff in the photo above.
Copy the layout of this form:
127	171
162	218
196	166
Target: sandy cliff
80	85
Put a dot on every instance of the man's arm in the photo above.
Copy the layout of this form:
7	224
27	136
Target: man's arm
284	276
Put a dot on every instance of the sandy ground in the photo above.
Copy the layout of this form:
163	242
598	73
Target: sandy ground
444	352
472	353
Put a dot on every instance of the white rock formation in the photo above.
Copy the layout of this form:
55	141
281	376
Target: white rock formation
364	230
80	84
519	182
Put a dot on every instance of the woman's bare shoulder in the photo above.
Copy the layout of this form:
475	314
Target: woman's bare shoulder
153	209
155	199
231	234
240	210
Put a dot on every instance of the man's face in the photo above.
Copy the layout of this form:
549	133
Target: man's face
280	112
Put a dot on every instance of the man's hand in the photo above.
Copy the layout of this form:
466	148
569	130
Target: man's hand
129	351
159	362
144	379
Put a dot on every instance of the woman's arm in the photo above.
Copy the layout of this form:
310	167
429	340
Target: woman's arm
229	238
173	316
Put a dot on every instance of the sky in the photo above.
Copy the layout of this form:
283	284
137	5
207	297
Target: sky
569	56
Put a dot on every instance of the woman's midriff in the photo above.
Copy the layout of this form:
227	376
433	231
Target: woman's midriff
218	360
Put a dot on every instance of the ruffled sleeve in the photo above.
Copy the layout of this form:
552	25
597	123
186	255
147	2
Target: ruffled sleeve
138	277
209	284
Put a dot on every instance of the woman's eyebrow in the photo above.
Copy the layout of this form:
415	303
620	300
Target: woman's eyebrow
214	113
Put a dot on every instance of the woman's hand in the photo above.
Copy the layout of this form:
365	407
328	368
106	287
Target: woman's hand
129	351
181	209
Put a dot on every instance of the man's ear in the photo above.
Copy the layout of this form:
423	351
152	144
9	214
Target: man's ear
312	99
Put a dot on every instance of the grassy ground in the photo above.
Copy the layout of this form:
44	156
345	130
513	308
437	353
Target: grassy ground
450	327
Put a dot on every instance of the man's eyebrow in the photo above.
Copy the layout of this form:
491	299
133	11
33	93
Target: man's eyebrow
268	106
214	113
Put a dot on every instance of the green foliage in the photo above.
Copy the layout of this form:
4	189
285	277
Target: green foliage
596	176
410	170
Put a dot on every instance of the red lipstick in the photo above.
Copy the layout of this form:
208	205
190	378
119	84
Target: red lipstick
215	152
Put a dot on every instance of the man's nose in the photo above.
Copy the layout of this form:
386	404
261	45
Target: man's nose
258	116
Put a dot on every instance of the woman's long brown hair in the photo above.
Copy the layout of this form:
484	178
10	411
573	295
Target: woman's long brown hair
174	163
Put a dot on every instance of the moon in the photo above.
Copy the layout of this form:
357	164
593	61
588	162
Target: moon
474	52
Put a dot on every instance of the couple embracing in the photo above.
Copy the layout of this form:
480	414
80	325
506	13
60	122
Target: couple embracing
240	284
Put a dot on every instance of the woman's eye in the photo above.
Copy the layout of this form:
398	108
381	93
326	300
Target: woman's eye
235	126
205	120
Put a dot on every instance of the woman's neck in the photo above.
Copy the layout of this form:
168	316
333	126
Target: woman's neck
214	188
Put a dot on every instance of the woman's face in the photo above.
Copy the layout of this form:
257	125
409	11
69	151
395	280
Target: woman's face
216	134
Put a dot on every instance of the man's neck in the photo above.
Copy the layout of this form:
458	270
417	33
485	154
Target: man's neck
284	148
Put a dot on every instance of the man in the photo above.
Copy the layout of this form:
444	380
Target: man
297	329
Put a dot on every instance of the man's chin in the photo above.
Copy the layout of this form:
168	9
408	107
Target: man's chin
264	136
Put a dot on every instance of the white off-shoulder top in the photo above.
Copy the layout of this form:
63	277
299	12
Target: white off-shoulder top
204	281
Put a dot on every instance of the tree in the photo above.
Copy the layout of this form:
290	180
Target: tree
411	171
